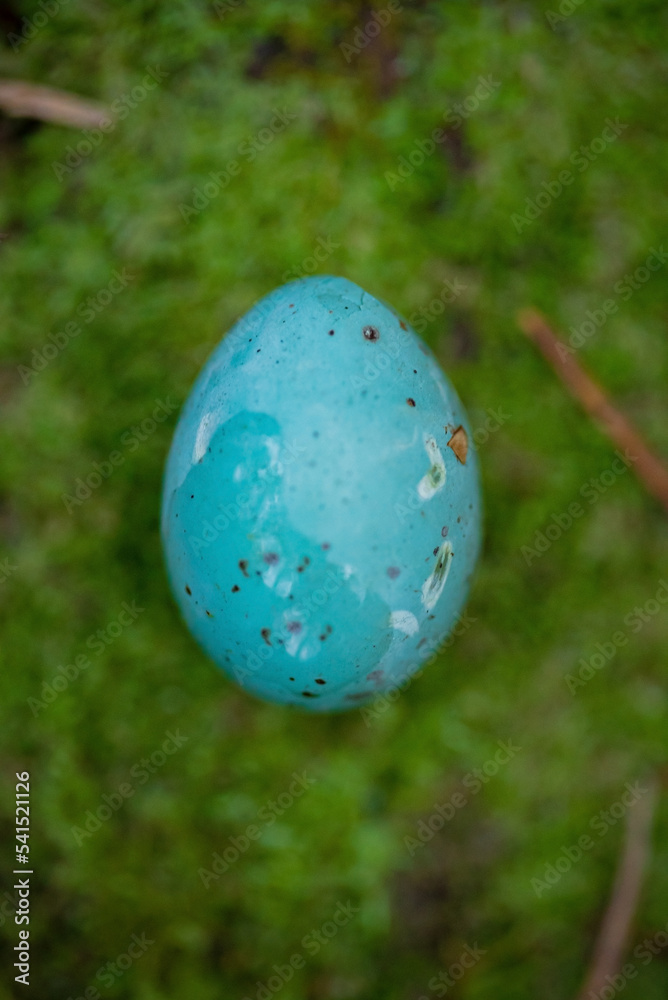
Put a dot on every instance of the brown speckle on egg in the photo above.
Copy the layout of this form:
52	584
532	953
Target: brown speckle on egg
459	443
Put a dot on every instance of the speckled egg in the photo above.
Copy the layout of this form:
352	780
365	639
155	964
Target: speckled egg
321	507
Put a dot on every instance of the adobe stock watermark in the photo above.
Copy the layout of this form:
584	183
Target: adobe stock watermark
120	109
592	491
645	952
58	340
566	8
380	704
362	36
454	117
248	150
494	421
141	772
130	440
606	651
473	782
449	977
225	7
6	569
97	642
624	289
31	26
267	816
450	290
322	251
600	824
245	499
312	942
110	972
292	630
389	351
582	158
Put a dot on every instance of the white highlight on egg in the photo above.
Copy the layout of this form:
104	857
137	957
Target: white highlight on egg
433	586
205	430
404	621
434	480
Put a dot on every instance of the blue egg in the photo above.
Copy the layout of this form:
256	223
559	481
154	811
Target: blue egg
321	509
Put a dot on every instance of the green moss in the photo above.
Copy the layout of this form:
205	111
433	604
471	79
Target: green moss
345	171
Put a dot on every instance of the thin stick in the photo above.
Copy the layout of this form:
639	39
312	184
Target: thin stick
614	931
647	466
21	99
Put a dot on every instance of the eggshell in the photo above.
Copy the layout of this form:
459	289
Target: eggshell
321	508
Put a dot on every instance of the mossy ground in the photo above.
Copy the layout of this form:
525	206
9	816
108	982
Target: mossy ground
323	177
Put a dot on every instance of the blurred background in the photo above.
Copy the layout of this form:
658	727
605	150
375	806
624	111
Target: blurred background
206	153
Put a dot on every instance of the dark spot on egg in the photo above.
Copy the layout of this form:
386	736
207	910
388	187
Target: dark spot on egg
371	333
410	401
402	325
265	633
328	629
393	572
308	694
188	590
235	589
436	551
319	680
325	546
290	678
270	558
331	333
209	614
294	627
444	531
243	566
420	643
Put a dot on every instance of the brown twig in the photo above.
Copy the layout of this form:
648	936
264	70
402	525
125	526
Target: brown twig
20	99
614	931
647	466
